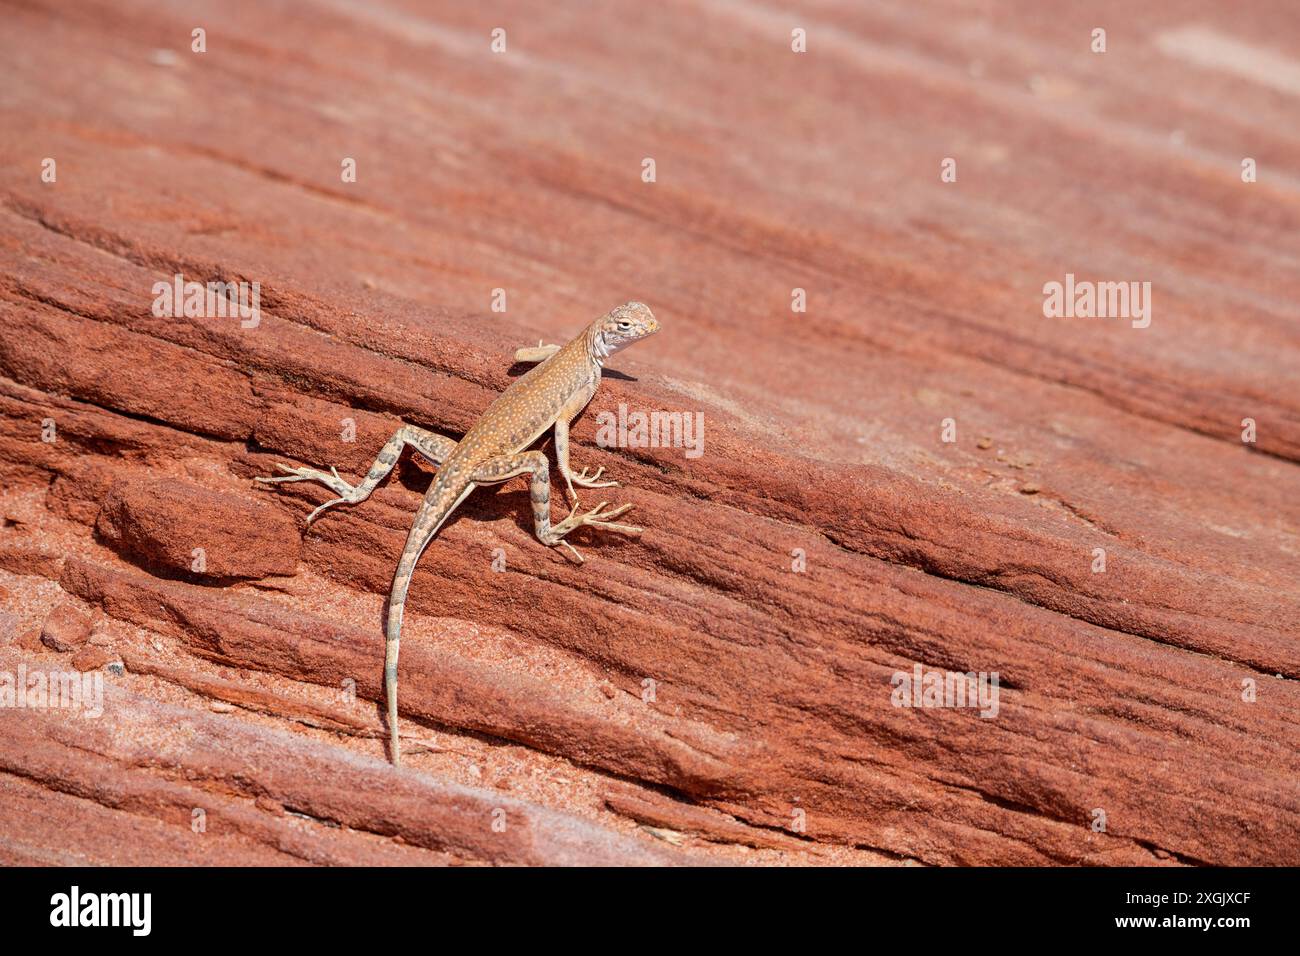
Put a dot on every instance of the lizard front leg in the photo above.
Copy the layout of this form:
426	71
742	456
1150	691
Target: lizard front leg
432	446
534	463
582	480
535	355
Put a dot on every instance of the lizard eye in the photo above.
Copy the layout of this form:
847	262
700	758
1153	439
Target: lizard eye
625	326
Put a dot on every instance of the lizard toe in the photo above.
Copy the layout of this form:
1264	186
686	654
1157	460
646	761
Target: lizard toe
329	504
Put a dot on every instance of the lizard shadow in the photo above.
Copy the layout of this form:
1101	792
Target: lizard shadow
519	368
615	373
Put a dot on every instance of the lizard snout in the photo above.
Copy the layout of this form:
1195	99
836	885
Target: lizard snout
642	314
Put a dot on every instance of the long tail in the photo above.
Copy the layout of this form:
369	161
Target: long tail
392	645
439	504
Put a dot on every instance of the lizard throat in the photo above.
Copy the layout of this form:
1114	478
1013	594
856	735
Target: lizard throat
597	349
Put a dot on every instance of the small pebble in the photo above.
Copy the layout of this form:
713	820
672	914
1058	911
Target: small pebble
65	629
984	443
1029	489
91	658
220	707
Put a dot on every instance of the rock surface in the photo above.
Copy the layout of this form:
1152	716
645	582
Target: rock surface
175	527
720	689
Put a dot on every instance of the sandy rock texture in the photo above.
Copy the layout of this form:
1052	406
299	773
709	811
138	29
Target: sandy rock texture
720	689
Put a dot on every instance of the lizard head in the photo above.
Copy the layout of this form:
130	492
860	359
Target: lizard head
622	326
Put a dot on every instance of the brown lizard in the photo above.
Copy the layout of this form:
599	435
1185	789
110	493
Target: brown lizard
494	450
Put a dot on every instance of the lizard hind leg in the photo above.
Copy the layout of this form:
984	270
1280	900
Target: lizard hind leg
432	446
534	463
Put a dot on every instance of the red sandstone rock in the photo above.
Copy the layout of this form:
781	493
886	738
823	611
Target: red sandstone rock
185	529
65	629
204	767
1145	689
80	494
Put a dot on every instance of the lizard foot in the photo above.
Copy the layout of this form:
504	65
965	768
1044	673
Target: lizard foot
594	518
333	481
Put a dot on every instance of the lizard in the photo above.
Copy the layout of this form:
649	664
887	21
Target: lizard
495	449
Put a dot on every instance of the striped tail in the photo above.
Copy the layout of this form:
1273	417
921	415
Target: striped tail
440	502
392	645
